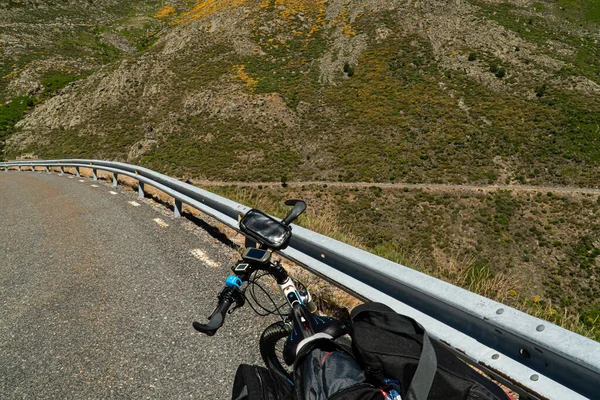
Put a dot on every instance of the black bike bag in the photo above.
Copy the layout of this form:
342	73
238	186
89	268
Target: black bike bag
265	229
395	352
259	383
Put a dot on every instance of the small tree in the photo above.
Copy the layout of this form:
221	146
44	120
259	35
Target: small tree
500	73
540	90
348	69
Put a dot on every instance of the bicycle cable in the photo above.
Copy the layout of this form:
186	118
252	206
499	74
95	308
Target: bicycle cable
252	284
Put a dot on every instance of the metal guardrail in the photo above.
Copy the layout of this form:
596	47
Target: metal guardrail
536	358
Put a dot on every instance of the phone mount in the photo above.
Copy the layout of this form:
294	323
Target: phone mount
267	230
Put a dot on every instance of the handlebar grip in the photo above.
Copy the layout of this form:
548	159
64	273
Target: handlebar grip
216	319
299	207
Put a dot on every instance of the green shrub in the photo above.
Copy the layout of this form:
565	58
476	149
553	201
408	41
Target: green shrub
540	90
12	112
348	69
56	80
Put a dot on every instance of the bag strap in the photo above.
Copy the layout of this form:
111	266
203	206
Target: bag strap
423	378
383	317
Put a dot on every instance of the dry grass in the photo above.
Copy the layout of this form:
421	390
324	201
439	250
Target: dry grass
466	274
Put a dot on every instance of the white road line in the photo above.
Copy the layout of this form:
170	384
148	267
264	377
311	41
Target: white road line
81	180
71	177
200	255
111	192
161	222
133	203
94	185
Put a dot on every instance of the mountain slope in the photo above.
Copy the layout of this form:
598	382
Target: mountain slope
47	45
348	90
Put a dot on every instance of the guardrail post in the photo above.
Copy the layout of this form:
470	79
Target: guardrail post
140	190
77	172
47	169
32	168
177	208
94	174
19	168
62	169
115	180
5	168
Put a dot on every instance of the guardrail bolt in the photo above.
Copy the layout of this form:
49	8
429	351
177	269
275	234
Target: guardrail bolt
115	180
177	209
94	174
140	190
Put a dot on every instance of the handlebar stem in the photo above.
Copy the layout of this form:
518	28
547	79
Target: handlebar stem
279	273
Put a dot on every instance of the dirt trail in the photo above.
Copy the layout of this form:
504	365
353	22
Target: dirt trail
427	186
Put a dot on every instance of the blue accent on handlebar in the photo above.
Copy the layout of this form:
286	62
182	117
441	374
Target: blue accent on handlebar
233	281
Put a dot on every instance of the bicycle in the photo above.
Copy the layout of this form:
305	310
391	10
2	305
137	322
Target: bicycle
384	344
297	327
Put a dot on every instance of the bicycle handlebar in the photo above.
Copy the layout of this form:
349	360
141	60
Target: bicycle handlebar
215	321
227	298
232	292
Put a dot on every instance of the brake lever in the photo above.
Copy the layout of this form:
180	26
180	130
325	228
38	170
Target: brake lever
239	302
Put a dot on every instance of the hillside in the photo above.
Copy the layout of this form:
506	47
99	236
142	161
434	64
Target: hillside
275	76
46	45
430	91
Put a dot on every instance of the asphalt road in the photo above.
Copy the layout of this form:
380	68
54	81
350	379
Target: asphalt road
97	298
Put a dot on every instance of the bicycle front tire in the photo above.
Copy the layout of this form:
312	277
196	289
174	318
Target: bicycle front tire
271	349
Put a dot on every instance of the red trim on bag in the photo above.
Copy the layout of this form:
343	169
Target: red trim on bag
324	357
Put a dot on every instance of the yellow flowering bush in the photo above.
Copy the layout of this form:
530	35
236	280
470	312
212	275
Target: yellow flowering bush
242	75
165	12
